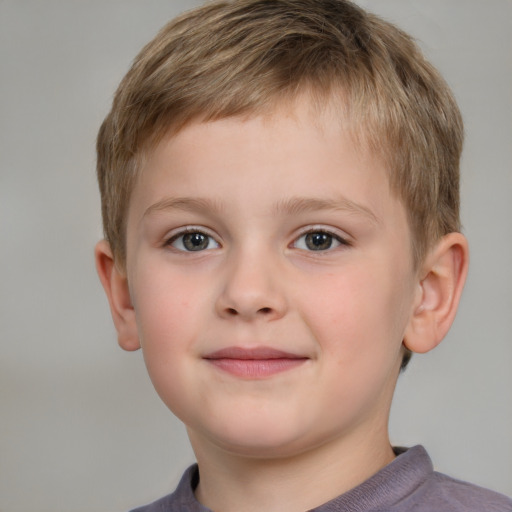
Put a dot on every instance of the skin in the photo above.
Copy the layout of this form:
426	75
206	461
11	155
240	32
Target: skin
341	313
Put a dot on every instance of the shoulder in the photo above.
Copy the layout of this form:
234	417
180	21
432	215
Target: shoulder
410	484
440	492
468	496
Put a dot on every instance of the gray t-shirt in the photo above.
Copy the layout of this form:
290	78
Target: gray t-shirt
408	484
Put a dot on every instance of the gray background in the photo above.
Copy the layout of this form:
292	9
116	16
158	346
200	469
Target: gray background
80	427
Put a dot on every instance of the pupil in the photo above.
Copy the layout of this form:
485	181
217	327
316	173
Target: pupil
195	241
318	241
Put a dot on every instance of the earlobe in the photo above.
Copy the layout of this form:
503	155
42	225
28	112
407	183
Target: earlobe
115	284
439	288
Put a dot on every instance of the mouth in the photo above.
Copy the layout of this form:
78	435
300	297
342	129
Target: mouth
256	363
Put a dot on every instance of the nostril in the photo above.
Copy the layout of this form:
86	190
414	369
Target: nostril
232	311
265	311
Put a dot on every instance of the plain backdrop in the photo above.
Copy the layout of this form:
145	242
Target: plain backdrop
81	429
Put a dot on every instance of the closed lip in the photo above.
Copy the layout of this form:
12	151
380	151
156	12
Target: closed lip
254	363
257	353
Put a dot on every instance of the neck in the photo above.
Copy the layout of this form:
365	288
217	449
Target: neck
230	482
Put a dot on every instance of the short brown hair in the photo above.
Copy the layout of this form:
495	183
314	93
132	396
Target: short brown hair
237	57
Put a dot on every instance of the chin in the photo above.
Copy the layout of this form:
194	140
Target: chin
259	439
269	448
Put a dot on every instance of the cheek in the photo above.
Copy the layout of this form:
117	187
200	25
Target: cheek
163	299
357	314
358	325
167	307
167	322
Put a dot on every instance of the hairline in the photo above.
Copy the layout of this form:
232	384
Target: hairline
335	102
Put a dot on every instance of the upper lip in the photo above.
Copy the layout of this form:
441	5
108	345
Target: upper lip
257	353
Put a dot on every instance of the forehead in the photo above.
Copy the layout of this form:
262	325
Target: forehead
294	151
323	122
302	131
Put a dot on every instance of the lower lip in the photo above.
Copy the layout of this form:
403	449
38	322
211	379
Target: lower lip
256	368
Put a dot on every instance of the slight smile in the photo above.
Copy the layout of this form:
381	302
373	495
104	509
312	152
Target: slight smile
254	363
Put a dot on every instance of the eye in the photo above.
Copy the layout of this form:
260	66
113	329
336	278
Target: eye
319	241
193	241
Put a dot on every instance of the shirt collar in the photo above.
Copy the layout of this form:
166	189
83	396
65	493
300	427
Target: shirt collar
391	484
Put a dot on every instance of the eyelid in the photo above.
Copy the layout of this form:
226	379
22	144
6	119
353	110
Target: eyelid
322	228
183	230
340	236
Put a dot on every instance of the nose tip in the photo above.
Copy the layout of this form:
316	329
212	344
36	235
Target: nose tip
251	292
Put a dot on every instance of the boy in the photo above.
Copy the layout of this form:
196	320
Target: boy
279	185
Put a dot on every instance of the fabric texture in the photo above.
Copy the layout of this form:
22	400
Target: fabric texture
408	484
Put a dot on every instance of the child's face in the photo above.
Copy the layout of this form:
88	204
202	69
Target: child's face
271	274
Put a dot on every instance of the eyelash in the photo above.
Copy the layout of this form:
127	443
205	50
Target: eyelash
180	239
333	238
191	231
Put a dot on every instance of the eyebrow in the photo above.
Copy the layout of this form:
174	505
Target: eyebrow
298	205
188	204
292	206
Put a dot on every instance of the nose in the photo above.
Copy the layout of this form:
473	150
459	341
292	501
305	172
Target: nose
252	289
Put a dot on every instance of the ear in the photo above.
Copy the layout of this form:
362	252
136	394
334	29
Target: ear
439	288
115	284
